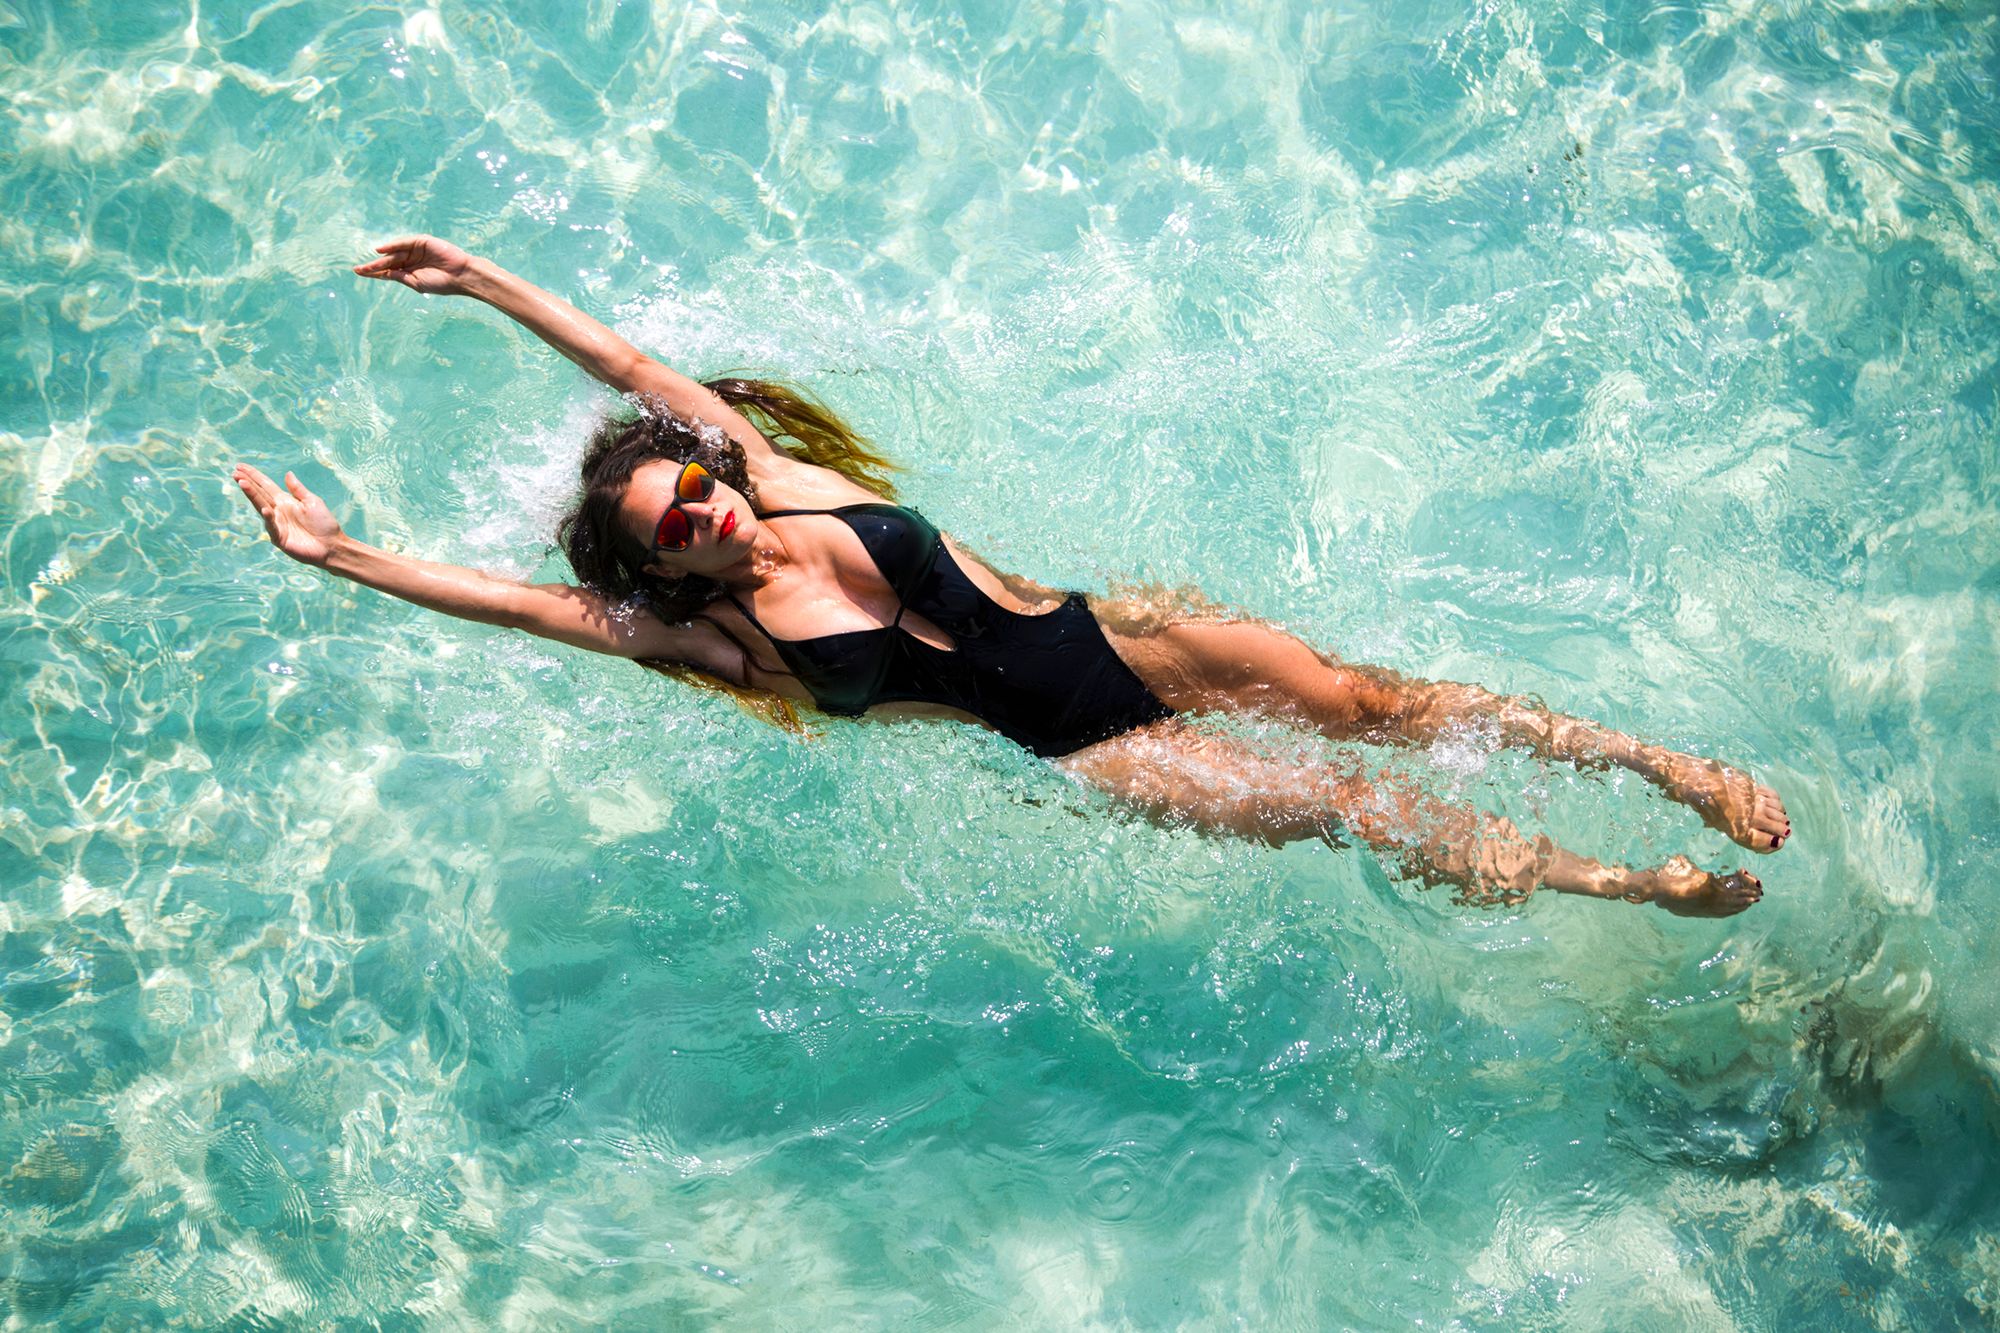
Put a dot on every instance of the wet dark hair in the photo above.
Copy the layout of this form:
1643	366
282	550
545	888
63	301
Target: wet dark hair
610	561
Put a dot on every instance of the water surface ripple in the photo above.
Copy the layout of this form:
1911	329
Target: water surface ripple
361	967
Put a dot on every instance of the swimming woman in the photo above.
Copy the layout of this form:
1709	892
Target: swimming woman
737	533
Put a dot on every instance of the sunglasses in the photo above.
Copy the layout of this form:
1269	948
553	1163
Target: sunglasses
675	532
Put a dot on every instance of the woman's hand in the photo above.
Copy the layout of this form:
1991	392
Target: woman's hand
421	263
299	523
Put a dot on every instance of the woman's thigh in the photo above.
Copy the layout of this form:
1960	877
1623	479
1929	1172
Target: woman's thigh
1174	773
1248	666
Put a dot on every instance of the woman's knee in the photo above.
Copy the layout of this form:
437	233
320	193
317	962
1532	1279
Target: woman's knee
1346	701
1496	865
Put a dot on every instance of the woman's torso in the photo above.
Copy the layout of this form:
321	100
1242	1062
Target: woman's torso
886	616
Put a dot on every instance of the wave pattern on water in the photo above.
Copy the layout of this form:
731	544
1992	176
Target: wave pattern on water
358	965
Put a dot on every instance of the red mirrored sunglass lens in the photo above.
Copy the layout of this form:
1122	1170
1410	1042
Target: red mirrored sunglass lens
695	483
674	531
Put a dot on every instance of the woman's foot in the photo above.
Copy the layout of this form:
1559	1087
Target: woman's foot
1728	800
1685	889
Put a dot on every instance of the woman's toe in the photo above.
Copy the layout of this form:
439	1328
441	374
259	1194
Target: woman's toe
1769	824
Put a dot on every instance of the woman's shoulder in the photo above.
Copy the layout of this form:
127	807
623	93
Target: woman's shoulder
787	483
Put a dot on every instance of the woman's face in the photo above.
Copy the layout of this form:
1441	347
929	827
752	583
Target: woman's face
721	527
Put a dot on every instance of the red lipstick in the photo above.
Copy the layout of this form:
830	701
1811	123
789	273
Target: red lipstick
728	524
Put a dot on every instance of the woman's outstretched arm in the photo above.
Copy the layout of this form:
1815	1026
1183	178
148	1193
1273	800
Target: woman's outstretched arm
299	524
427	264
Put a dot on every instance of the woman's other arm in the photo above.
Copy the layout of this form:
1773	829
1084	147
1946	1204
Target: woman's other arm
427	264
299	524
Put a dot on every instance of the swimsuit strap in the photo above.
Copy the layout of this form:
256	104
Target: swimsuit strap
837	509
901	606
750	616
747	615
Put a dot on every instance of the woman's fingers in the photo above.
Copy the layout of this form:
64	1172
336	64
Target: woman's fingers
421	263
255	485
260	500
262	489
380	268
409	249
296	520
263	493
394	255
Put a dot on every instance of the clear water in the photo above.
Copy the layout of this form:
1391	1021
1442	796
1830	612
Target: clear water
356	965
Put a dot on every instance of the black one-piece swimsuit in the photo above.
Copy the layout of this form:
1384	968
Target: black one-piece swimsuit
1050	682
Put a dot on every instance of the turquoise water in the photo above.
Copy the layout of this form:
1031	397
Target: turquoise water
361	966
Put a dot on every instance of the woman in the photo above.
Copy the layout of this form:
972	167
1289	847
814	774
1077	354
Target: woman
784	576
